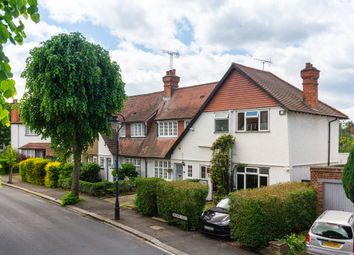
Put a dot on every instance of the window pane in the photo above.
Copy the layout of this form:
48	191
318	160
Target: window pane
264	120
252	114
203	172
190	171
264	170
251	181
241	121
240	181
263	181
251	170
252	124
335	231
222	125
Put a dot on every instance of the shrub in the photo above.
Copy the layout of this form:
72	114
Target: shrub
52	174
269	213
126	170
16	168
64	183
181	197
296	243
4	166
33	170
96	188
69	199
348	176
146	195
66	170
90	172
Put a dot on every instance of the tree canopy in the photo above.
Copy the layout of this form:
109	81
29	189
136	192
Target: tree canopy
346	140
72	90
348	176
12	29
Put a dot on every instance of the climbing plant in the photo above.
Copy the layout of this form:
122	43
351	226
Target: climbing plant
220	165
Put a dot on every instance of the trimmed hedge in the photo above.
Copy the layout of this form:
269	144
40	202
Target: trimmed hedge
52	170
268	213
33	170
146	202
181	197
90	172
65	183
96	188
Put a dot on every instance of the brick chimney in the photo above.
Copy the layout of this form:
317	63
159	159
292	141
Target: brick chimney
170	81
310	77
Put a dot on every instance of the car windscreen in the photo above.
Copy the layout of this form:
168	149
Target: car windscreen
331	230
224	203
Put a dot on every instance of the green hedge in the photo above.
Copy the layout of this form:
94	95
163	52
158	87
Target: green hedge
90	172
33	170
52	170
146	195
4	166
96	188
268	213
181	197
64	183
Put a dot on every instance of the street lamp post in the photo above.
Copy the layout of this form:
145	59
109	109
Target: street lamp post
116	122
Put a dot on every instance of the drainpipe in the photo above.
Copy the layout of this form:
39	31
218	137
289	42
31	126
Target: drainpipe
329	141
146	169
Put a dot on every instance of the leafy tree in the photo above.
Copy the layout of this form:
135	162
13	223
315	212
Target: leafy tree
346	140
220	165
348	176
12	29
11	158
72	90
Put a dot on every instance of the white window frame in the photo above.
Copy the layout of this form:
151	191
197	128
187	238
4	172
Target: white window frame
122	130
245	117
167	128
162	169
245	173
28	132
101	162
190	171
207	169
222	116
186	123
137	129
29	153
135	162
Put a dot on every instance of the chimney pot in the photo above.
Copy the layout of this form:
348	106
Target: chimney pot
310	77
170	81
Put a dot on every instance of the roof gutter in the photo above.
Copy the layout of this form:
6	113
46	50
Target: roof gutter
329	141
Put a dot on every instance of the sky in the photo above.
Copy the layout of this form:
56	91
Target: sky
209	35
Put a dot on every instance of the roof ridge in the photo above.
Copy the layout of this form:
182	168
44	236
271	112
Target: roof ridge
198	85
248	67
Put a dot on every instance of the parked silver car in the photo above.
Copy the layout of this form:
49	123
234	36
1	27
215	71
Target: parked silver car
331	234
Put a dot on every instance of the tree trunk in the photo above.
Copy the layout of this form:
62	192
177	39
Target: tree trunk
75	185
10	175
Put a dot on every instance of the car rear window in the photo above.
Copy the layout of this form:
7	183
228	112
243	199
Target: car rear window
334	231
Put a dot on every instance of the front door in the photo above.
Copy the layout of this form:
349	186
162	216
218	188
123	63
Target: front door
179	171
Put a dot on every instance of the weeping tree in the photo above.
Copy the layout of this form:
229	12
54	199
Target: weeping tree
72	90
348	176
221	164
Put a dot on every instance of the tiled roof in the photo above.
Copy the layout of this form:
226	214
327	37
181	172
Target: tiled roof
184	104
286	94
110	142
39	146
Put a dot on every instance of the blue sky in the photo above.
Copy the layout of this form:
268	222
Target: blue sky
209	35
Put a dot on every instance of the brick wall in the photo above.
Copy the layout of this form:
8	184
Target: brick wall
320	173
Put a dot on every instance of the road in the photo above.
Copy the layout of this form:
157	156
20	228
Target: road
32	226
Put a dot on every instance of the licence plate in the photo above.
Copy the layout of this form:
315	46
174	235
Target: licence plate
331	244
208	228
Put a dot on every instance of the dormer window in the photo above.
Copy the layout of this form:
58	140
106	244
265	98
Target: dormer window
137	130
122	132
167	128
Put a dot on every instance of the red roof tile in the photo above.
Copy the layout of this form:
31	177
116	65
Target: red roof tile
39	146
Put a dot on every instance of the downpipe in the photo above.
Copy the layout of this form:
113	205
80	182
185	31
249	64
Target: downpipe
329	141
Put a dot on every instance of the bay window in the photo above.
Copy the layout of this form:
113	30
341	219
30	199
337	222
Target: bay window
251	177
163	169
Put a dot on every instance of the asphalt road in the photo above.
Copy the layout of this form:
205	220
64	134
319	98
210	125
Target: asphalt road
32	226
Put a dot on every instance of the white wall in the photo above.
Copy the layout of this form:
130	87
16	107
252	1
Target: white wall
308	139
18	137
258	148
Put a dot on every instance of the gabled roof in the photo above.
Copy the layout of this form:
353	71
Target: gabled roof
286	94
184	104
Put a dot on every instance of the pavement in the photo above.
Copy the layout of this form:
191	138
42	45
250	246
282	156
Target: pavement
32	226
167	237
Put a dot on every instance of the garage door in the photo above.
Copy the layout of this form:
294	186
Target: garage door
335	198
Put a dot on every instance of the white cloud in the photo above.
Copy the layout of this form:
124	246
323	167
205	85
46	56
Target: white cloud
289	32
